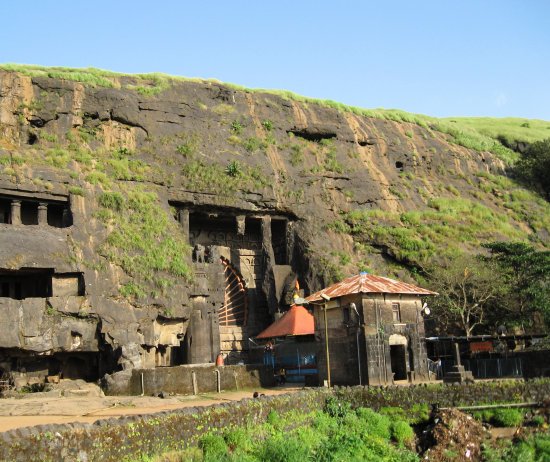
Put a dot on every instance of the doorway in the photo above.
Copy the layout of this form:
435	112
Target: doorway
398	362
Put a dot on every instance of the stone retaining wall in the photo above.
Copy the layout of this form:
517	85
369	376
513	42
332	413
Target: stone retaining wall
129	437
498	391
180	379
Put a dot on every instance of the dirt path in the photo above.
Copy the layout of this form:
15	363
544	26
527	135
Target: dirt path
25	412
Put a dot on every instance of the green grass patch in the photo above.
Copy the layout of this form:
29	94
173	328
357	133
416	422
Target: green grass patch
254	144
76	190
144	240
532	448
444	228
501	417
510	129
201	176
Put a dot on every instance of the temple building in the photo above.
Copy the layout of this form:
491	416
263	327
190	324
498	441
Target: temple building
375	330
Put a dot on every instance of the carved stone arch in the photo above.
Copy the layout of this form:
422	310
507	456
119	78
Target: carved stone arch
234	311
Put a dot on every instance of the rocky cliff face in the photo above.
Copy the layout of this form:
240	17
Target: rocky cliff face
105	190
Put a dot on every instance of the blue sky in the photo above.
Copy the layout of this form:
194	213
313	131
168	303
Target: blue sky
442	58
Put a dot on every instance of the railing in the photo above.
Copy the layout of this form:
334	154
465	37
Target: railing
484	368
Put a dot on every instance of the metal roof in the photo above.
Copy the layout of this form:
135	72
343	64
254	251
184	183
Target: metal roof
296	321
369	284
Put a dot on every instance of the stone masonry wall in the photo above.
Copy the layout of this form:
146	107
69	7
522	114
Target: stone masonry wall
180	379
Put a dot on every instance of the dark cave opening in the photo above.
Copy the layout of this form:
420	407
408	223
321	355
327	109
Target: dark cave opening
312	136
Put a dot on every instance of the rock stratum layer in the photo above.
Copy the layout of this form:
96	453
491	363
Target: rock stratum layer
145	224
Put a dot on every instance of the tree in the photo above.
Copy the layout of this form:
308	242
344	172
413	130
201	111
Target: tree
467	285
534	165
526	280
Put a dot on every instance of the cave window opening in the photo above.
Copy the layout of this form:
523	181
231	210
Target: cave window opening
253	227
32	139
363	143
278	241
59	216
29	213
399	165
58	213
5	211
26	283
309	136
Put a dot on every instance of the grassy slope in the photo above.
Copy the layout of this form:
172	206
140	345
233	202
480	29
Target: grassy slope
481	134
510	128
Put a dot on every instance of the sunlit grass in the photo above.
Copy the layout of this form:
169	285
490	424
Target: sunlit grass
480	134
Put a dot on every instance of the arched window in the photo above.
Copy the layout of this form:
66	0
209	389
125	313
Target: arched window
234	309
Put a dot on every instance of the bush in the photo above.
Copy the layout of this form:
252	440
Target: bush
237	127
282	448
233	168
378	425
213	446
507	417
336	408
402	433
238	438
534	165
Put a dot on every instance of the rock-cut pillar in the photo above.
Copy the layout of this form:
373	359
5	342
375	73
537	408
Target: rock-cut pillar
15	212
42	214
183	218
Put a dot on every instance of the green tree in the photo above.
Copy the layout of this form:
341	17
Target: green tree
526	280
534	165
467	286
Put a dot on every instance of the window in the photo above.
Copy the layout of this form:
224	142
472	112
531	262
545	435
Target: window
345	312
396	312
5	211
29	213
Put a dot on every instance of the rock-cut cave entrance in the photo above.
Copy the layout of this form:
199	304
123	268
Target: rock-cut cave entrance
232	305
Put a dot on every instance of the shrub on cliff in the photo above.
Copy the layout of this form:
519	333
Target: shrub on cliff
534	166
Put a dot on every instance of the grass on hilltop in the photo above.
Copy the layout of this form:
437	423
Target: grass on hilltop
509	128
480	134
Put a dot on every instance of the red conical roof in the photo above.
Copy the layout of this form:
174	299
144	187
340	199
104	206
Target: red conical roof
296	321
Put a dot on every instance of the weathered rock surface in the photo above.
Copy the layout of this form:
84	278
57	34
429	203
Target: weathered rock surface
205	151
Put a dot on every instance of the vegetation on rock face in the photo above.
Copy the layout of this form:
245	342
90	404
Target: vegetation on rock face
443	228
481	134
213	177
422	217
144	241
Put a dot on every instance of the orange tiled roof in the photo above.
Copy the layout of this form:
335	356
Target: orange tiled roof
296	321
